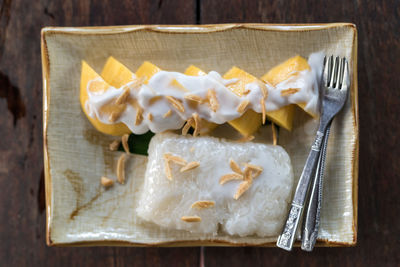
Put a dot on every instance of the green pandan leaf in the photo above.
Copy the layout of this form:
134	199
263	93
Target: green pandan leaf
138	143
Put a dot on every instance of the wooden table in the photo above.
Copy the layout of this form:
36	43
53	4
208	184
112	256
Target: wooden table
22	214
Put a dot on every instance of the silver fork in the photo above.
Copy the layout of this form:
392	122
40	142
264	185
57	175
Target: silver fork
336	79
311	221
312	217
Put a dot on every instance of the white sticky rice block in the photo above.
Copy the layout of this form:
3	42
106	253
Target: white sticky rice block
260	211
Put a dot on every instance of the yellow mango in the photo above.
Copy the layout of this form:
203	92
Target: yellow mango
282	72
284	116
115	73
147	70
88	74
206	126
194	71
250	121
178	85
303	107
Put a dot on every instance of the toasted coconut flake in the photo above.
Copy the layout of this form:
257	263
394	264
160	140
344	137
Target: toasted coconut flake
167	155
191	121
167	114
190	166
255	169
114	145
114	116
176	103
191	219
234	166
121	169
203	204
263	110
242	106
139	116
274	135
289	91
248	175
197	125
243	187
125	144
263	89
106	182
187	126
124	96
154	99
245	139
212	99
138	82
229	177
150	116
176	159
246	92
167	169
194	98
269	84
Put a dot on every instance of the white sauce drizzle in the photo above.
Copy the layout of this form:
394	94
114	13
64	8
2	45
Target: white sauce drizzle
159	85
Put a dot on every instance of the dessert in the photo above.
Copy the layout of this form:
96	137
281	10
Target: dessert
242	187
193	181
157	100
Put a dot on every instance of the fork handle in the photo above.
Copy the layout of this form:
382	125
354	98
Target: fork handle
313	212
286	239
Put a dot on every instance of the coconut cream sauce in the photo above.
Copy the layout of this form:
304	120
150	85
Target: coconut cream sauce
152	98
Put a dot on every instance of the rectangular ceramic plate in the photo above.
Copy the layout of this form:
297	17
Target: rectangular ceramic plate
81	212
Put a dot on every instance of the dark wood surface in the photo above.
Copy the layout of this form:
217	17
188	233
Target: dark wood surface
22	214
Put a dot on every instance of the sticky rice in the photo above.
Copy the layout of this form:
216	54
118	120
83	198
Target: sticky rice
178	201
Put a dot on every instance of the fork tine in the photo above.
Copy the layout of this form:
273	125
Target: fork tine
340	73
327	70
334	75
346	77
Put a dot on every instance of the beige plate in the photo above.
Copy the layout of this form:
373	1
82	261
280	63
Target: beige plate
81	212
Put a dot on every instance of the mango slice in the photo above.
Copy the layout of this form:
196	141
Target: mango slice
88	74
303	107
284	70
284	116
115	73
206	126
178	85
250	121
280	73
194	71
147	70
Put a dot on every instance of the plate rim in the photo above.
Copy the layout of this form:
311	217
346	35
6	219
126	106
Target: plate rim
188	29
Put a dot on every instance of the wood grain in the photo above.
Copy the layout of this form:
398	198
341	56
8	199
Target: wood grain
22	217
378	67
